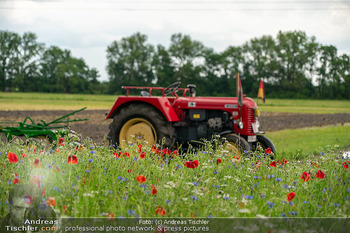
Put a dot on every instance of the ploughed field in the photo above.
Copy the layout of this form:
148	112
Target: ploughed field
96	127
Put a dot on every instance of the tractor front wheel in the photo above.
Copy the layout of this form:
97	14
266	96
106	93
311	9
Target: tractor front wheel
265	143
139	123
236	144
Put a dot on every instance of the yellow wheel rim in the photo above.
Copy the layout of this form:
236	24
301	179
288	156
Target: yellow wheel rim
139	130
233	148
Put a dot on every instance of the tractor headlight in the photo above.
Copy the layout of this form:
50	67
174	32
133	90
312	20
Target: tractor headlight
240	125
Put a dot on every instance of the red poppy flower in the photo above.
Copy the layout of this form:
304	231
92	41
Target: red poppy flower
143	155
190	164
268	151
154	149
72	159
290	196
65	209
175	153
12	157
141	179
160	210
51	201
43	192
154	190
79	147
117	154
28	199
36	163
305	176
16	181
23	156
284	161
166	151
273	164
346	164
140	147
110	216
218	161
320	174
61	141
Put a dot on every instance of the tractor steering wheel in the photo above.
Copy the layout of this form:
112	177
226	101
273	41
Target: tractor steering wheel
172	88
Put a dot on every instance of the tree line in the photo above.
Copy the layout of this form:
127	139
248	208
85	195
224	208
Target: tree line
26	65
292	65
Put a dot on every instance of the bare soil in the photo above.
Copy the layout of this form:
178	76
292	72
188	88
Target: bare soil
96	127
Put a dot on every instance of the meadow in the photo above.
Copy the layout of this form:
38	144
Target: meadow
50	101
82	178
90	180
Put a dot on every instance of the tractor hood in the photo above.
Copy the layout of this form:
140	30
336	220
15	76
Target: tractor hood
227	104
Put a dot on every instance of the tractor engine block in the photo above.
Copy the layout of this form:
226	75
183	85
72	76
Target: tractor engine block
199	123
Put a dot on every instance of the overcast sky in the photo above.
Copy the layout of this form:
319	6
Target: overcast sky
88	27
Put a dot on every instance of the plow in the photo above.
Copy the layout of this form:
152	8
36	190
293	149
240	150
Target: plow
29	129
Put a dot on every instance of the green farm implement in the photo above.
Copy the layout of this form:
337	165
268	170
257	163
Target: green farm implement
51	131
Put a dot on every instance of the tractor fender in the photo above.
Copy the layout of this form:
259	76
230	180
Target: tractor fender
160	103
226	132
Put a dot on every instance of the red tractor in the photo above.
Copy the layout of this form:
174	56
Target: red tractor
170	118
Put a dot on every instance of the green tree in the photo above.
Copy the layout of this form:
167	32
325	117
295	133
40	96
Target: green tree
130	62
27	69
296	56
221	69
163	68
260	63
188	59
60	72
344	61
9	57
333	74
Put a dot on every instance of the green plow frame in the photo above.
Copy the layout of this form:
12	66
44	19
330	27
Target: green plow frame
29	129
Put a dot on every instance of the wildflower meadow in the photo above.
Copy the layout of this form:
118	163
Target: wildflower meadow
93	180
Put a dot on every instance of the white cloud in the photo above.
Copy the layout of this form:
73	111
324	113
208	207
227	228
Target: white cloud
88	27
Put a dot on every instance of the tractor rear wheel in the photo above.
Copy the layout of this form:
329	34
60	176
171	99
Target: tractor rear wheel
236	144
141	122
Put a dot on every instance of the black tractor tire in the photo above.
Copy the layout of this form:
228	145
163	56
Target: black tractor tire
164	131
241	146
265	143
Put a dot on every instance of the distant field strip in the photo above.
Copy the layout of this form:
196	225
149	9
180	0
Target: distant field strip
306	106
50	101
319	110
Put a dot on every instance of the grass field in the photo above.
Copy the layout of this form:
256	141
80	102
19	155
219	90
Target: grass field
99	181
306	106
308	178
48	101
301	143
